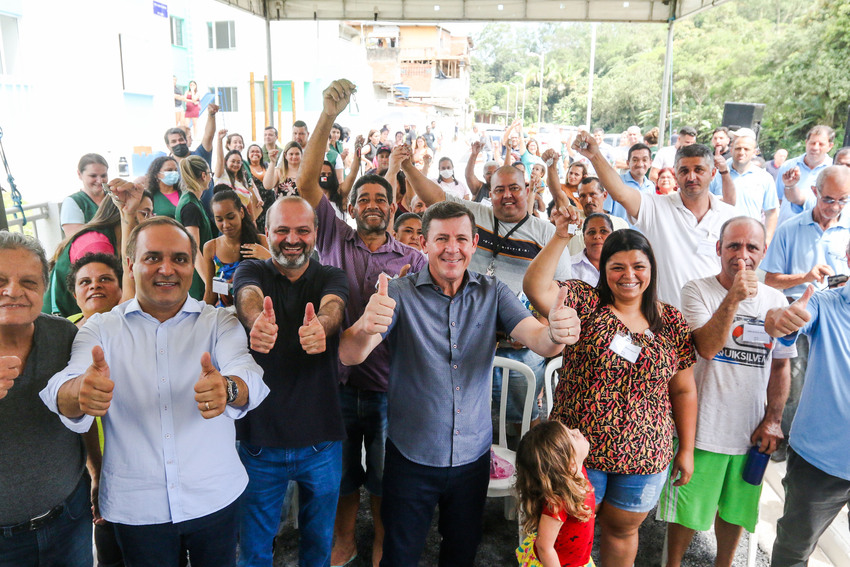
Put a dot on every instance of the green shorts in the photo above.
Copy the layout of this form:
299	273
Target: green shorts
716	487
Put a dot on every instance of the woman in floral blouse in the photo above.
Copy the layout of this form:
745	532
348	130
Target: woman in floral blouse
627	384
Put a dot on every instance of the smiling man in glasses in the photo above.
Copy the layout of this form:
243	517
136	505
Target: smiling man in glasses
809	248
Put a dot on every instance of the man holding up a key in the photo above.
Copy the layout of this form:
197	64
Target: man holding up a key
293	307
438	325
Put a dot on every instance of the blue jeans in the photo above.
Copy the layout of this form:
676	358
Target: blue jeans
210	541
64	541
365	415
412	492
317	470
516	384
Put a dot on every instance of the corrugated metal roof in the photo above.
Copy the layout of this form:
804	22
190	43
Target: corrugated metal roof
477	10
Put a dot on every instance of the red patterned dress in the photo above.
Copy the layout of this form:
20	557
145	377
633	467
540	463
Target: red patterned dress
622	408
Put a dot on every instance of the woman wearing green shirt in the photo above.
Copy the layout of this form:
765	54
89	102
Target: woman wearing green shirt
195	176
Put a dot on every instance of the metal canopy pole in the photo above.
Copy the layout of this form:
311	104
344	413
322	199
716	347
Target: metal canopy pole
268	85
666	85
590	74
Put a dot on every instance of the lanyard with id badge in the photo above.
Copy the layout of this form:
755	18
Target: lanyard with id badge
500	242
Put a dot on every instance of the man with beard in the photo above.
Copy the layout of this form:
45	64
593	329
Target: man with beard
293	306
683	227
363	254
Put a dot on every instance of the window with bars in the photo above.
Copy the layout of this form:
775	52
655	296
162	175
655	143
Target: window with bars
227	100
177	25
221	35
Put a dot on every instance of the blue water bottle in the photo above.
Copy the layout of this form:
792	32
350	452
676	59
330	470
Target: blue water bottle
755	466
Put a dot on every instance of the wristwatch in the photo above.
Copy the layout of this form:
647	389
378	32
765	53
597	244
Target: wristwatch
232	389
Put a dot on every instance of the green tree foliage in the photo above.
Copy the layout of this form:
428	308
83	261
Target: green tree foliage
790	55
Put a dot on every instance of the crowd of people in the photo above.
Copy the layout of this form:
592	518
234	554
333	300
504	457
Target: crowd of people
242	319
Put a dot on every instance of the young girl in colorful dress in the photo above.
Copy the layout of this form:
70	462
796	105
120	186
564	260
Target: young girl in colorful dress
556	500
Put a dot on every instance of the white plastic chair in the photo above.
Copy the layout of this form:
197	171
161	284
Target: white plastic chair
504	487
550	381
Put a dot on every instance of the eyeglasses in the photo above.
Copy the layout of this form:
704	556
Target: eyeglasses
515	189
830	201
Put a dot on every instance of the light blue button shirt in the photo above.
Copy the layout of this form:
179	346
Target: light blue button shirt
819	431
163	462
645	186
800	244
808	177
754	191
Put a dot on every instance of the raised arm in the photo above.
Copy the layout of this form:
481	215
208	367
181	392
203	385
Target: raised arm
539	282
472	181
586	145
789	181
209	129
334	100
127	196
270	178
219	153
555	188
728	186
424	188
348	183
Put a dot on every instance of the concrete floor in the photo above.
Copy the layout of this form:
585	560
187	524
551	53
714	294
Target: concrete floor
500	542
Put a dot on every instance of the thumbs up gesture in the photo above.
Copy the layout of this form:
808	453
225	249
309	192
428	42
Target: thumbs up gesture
312	332
10	368
210	392
745	284
564	324
379	311
264	330
96	386
787	320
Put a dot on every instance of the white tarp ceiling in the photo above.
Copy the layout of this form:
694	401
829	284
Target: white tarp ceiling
477	10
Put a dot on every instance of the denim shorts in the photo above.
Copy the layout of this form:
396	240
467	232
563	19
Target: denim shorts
629	492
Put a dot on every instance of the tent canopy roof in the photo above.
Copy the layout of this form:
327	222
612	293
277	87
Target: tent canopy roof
658	11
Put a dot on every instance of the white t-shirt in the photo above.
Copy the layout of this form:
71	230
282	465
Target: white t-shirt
665	157
71	213
459	189
684	248
732	387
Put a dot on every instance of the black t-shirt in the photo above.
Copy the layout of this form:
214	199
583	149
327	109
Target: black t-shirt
191	215
302	408
483	193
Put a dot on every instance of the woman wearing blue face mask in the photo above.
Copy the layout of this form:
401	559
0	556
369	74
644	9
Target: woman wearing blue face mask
164	186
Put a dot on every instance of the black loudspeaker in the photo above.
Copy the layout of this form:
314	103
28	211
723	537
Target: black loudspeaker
743	115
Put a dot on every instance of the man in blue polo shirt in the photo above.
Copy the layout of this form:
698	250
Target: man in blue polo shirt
797	176
817	482
639	159
808	249
437	324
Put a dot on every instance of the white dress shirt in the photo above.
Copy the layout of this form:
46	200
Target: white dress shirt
163	462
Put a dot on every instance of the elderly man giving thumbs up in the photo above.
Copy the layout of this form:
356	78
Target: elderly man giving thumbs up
293	307
168	375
